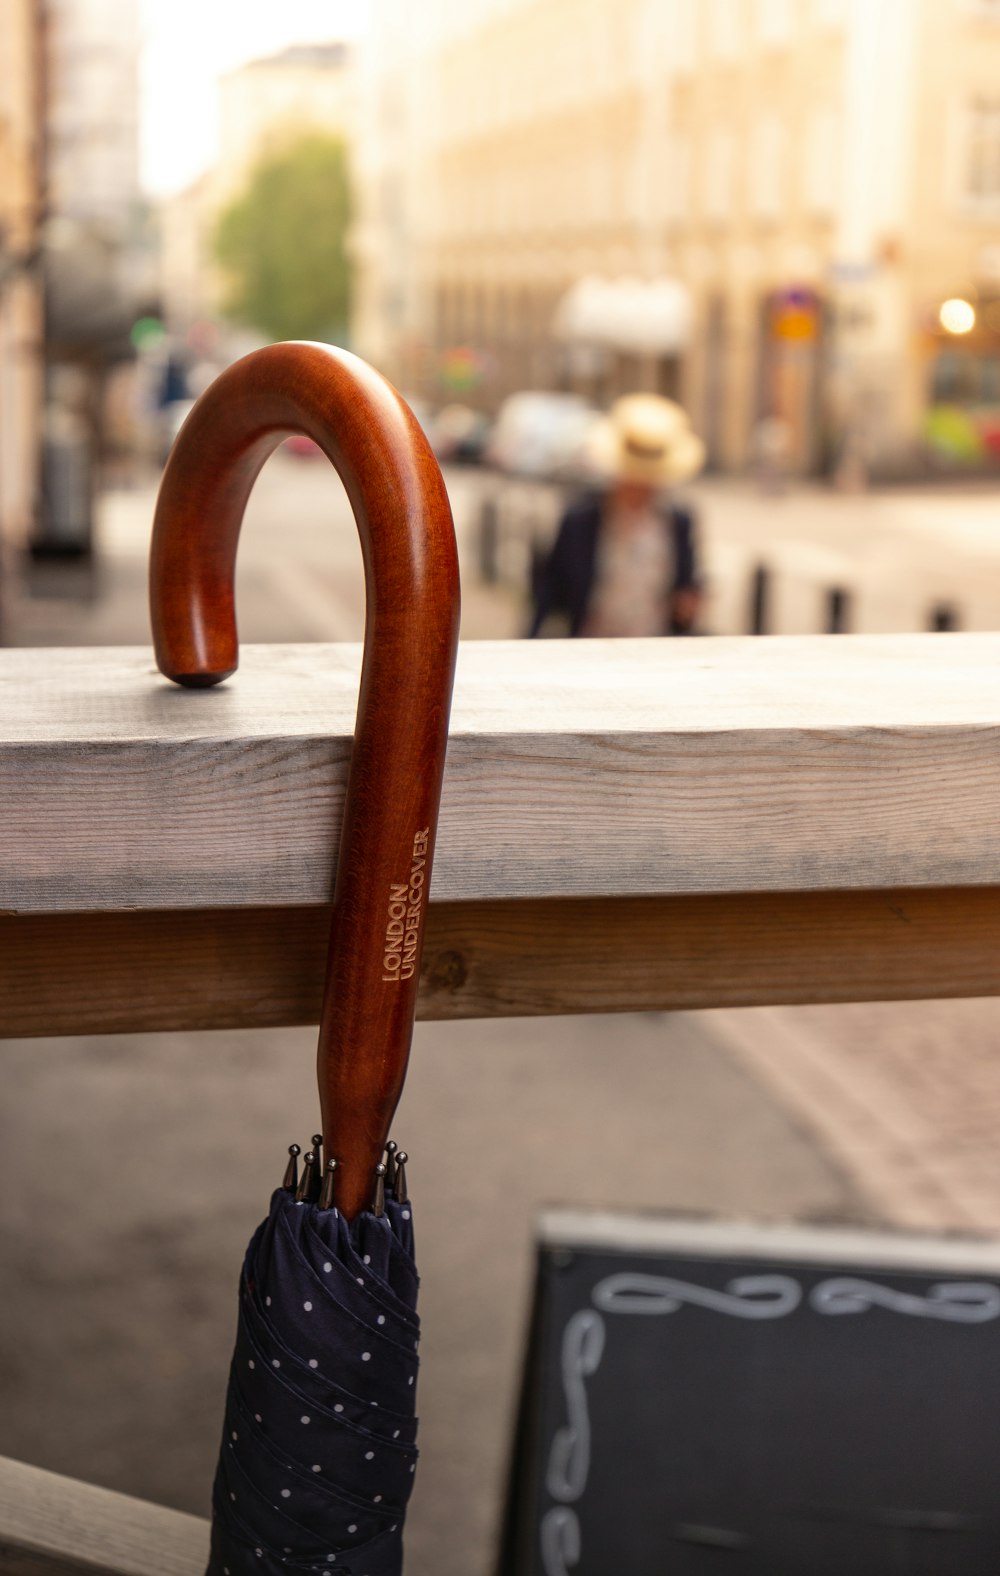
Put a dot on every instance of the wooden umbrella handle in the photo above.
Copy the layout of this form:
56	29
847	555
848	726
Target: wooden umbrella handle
411	637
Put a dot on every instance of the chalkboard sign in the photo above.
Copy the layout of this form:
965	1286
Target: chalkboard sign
702	1398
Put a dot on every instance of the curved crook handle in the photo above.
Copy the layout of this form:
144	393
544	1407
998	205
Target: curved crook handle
411	637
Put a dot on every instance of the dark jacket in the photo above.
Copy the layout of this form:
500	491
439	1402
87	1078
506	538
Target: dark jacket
564	581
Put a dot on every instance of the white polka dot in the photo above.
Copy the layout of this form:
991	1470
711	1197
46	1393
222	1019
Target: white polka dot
275	1363
406	1214
251	1363
286	1493
360	1281
381	1318
235	1435
308	1307
377	1500
259	1553
317	1469
413	1468
327	1267
267	1302
233	1498
396	1434
369	1455
305	1420
257	1417
410	1380
366	1357
313	1363
338	1407
373	1403
367	1258
331	1558
353	1527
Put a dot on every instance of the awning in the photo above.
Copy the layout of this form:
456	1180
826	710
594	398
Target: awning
652	316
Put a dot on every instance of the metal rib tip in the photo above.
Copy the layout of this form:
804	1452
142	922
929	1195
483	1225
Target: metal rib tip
378	1202
291	1178
303	1195
317	1144
399	1190
326	1198
390	1163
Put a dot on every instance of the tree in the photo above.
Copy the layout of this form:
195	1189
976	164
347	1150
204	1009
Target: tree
283	243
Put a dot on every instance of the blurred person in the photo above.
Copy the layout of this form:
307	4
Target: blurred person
624	558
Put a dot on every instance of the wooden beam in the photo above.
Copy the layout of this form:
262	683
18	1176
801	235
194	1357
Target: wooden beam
575	769
56	1526
108	973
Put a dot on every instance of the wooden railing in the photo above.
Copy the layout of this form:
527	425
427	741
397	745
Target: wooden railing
624	826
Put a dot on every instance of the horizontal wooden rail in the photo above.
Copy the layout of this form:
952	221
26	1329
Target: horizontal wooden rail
626	825
56	1526
231	968
584	769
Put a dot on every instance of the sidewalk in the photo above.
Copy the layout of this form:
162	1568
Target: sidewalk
905	1096
299	574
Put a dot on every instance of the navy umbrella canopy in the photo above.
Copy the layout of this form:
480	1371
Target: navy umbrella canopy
318	1451
319	1441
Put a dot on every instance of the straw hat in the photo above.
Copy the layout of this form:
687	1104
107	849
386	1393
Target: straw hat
647	439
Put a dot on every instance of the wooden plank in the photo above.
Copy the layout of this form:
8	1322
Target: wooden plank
79	974
52	1526
575	769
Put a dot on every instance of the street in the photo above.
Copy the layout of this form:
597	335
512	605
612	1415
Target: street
150	1158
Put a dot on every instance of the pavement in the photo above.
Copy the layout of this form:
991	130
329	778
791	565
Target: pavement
133	1168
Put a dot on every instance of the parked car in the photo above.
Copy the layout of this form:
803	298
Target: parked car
543	436
459	434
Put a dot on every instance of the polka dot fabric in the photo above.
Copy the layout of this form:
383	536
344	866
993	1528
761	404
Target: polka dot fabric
319	1442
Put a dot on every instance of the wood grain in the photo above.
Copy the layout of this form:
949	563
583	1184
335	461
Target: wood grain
259	968
584	769
54	1526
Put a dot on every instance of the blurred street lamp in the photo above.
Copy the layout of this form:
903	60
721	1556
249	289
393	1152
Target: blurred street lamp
957	316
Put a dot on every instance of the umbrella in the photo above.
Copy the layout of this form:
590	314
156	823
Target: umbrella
318	1451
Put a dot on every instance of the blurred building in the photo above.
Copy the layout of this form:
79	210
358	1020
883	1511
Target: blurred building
21	174
96	256
785	192
263	106
95	260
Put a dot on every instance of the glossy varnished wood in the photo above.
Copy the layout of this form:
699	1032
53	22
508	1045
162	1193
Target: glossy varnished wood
411	634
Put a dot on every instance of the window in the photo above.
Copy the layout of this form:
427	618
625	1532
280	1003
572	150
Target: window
767	168
719	175
683	44
678	187
724	29
774	21
821	162
981	172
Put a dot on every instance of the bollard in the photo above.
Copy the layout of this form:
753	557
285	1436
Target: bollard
838	607
760	589
943	618
489	536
